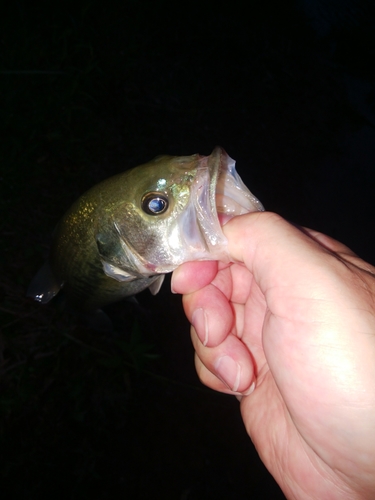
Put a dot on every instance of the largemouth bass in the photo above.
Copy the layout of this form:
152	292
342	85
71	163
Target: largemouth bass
125	233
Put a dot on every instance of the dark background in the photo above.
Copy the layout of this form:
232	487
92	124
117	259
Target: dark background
89	89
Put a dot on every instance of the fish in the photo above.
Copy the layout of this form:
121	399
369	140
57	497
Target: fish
124	234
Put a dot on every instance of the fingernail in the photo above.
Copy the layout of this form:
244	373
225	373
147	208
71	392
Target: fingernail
250	390
172	287
229	372
200	323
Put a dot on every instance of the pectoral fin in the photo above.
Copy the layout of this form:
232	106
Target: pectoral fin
156	285
117	273
44	285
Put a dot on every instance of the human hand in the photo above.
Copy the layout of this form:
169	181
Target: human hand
290	329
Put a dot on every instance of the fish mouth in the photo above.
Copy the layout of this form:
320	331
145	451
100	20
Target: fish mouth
220	196
232	197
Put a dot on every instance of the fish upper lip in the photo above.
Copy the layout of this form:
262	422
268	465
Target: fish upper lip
205	200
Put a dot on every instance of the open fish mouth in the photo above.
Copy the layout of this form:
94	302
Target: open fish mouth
219	196
232	197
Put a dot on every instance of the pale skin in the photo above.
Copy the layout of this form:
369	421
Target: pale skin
289	328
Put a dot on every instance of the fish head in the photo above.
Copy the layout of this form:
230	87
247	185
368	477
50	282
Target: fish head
173	213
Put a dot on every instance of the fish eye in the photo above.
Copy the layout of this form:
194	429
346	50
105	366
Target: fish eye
154	203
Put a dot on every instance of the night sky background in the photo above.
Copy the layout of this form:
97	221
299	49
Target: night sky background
89	89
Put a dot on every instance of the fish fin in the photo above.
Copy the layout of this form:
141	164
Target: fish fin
117	273
156	285
43	286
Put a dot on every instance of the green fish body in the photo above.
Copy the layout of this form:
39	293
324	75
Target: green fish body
125	233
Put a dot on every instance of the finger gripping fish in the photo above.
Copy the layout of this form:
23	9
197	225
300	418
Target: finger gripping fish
125	233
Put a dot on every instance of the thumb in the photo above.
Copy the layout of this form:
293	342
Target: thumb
273	249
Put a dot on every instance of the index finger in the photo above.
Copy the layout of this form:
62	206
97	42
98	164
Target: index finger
192	276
